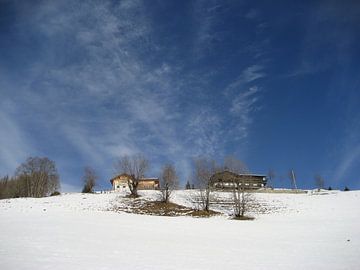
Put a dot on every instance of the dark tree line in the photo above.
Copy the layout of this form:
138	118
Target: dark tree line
36	177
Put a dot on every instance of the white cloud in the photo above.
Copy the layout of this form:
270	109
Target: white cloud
244	102
243	106
106	98
206	133
248	75
205	14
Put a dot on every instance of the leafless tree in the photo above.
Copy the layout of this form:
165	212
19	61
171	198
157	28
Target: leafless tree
135	166
37	177
89	178
4	187
204	169
235	165
319	181
271	177
241	199
12	187
169	181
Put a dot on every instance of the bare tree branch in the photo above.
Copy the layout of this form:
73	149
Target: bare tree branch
205	168
37	177
89	180
135	166
169	181
319	181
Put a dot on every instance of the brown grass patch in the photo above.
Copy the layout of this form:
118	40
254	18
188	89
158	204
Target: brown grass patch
243	218
157	208
203	213
163	209
132	196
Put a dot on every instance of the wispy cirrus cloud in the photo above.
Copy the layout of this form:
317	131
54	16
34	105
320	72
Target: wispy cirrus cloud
243	94
243	107
248	75
206	15
106	94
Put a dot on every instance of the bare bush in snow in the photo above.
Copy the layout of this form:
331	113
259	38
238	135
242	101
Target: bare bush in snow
89	179
169	182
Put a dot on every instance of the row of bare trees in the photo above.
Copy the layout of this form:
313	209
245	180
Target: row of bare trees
36	177
205	168
137	165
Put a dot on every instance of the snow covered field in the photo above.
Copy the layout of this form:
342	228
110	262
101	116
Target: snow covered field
75	231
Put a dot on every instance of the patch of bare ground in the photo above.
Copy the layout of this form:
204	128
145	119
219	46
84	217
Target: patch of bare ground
132	196
243	218
158	208
202	213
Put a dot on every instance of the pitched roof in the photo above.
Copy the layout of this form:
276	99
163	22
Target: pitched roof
237	174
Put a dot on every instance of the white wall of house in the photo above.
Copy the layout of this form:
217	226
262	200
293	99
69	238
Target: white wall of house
120	185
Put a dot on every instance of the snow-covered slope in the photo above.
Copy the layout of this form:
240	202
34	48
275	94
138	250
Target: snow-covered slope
75	231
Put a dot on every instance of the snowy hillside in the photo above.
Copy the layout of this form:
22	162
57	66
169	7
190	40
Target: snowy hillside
77	231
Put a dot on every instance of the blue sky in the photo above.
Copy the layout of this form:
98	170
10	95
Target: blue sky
276	85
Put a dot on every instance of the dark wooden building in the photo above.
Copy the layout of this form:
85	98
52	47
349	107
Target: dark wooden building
227	180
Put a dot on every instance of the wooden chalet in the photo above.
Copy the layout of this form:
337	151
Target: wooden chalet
120	183
228	180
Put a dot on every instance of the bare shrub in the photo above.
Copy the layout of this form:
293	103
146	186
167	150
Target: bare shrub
169	182
241	199
271	176
5	183
319	181
55	193
90	177
37	177
204	168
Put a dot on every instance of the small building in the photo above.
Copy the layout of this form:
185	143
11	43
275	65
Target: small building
120	183
227	180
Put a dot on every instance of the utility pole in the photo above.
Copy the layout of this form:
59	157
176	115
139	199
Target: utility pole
293	179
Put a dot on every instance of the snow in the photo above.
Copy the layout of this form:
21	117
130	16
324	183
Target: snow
319	230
